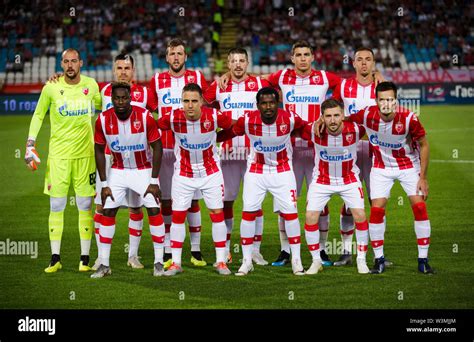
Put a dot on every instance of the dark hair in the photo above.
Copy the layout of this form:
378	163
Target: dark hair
118	85
192	87
73	50
124	57
267	91
301	44
174	43
384	86
239	50
331	103
363	48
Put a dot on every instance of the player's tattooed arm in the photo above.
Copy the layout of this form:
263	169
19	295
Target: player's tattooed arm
154	188
422	185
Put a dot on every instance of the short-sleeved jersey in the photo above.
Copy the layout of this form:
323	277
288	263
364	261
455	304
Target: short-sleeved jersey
394	143
271	150
335	155
167	91
237	99
71	109
128	140
354	95
195	148
304	95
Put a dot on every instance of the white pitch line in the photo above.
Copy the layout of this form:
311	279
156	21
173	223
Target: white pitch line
452	161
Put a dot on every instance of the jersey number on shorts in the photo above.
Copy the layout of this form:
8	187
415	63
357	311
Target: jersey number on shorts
92	178
293	196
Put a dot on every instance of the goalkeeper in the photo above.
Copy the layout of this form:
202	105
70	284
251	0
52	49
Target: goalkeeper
71	103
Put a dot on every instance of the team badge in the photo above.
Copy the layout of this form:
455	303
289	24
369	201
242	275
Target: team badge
191	79
207	124
316	79
399	127
137	124
349	138
85	91
251	85
283	128
136	95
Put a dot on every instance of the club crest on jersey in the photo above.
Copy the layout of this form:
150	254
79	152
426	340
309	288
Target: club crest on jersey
251	85
137	124
207	124
85	91
191	79
399	127
316	79
349	138
283	128
136	95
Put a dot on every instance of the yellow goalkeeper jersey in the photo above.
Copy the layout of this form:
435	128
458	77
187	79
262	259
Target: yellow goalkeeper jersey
71	111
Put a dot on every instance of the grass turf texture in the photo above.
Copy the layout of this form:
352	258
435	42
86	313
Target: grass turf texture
24	217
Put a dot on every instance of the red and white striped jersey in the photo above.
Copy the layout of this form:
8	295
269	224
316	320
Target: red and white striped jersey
304	95
271	150
354	95
195	148
394	143
139	94
167	91
335	155
128	140
236	100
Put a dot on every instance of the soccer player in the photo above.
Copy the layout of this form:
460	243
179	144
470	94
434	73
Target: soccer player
356	93
269	168
335	173
166	88
400	152
129	132
71	103
124	71
235	100
197	168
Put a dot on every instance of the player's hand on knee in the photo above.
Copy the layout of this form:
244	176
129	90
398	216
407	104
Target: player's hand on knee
423	187
155	191
106	192
31	156
55	77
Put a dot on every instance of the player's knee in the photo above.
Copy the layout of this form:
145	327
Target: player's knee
311	217
57	203
195	208
84	203
358	214
99	209
111	212
166	203
151	211
136	210
419	211
377	214
179	216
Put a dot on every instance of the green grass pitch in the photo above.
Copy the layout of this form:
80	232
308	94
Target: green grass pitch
24	217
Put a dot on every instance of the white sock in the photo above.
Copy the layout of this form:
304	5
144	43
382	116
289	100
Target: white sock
247	233
219	234
229	224
312	239
347	229
362	237
323	224
293	232
107	232
135	229
177	236
194	221
422	229
97	218
166	213
257	240
377	230
157	230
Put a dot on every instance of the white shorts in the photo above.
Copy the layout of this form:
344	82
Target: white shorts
364	162
233	172
166	175
381	181
281	185
123	182
320	194
131	200
184	189
303	165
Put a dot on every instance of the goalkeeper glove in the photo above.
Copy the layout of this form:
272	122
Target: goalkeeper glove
31	156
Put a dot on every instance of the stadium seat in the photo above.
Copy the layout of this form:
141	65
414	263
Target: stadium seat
428	65
412	66
420	66
273	68
257	70
265	69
